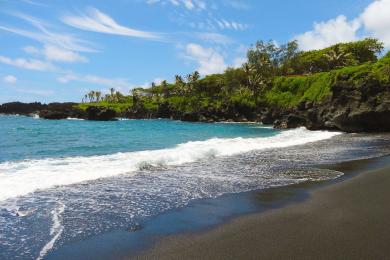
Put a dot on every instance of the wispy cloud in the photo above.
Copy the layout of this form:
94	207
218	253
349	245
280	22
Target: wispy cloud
55	53
46	36
209	60
10	79
97	21
223	24
188	4
30	64
118	83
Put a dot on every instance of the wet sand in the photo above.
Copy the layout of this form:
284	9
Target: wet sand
349	219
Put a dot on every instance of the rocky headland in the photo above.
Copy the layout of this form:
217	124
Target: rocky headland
349	108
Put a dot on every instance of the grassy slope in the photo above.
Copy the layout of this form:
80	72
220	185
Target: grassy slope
290	91
286	91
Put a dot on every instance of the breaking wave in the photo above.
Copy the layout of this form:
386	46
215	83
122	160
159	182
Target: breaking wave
23	177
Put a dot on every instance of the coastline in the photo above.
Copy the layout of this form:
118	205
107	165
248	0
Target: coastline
343	219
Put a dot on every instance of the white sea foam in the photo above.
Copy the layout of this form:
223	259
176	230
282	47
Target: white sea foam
55	230
23	177
73	118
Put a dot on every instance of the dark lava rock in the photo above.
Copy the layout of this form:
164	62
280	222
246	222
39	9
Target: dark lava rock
55	111
53	114
290	121
190	117
100	113
21	108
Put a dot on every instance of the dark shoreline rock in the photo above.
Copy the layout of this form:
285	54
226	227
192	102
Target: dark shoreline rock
21	108
349	108
100	113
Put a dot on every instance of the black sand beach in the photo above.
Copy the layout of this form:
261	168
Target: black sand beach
349	219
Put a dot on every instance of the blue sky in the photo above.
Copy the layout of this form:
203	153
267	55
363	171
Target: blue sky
58	50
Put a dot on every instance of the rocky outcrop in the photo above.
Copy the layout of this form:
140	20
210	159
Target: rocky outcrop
349	108
21	108
290	121
100	113
56	111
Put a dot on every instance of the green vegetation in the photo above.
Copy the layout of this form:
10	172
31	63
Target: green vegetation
277	76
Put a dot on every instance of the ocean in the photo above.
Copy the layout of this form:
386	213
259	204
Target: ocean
66	181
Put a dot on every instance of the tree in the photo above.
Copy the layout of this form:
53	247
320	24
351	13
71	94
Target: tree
264	58
180	84
338	57
365	50
195	76
192	79
165	88
135	92
233	79
256	81
98	95
288	55
91	95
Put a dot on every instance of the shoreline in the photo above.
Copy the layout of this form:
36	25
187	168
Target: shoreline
346	218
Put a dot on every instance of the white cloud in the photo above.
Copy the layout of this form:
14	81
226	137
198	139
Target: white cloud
97	21
208	59
10	79
237	63
376	20
55	53
223	24
46	36
30	64
188	4
328	33
117	83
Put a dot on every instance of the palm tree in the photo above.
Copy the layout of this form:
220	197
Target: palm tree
165	88
179	83
112	91
337	57
255	80
135	94
195	76
192	79
98	95
92	95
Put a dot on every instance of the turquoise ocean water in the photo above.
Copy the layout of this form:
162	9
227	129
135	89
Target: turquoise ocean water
71	180
30	138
